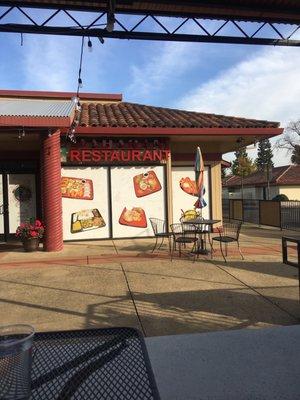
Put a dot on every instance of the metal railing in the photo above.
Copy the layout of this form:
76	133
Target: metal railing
290	215
281	214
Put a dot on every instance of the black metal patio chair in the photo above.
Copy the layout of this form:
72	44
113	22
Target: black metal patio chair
202	231
183	236
228	233
160	232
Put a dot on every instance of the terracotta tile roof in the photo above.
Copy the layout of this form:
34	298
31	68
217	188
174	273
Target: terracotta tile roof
124	114
286	175
291	176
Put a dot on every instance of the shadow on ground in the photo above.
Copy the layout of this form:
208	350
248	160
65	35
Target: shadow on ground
181	312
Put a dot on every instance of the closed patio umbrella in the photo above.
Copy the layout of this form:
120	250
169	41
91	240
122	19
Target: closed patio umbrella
199	178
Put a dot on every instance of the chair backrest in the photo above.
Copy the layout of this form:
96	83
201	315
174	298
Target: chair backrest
158	225
176	229
231	229
185	230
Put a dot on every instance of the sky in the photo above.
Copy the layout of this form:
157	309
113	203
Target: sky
259	82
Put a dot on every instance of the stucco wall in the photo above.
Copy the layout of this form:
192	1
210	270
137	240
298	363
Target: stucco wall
216	189
292	192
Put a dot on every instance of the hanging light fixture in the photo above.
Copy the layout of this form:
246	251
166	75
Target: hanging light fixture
75	99
90	45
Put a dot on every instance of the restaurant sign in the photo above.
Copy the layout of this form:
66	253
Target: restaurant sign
106	151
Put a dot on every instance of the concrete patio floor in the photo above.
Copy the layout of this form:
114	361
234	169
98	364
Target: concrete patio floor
121	283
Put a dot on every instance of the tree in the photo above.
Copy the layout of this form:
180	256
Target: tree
242	165
264	161
264	155
291	141
280	197
295	158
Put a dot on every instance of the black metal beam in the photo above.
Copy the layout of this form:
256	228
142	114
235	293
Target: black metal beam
49	30
116	29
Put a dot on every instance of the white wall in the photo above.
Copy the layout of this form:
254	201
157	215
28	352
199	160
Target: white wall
123	195
99	177
183	200
292	192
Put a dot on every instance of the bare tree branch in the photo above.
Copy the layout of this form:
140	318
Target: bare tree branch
290	140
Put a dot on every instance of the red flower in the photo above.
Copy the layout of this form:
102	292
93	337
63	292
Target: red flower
30	229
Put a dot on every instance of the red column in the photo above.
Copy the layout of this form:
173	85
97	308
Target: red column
51	192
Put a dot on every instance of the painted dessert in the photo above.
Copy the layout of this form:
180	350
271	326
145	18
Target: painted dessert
135	217
146	183
77	188
85	220
188	186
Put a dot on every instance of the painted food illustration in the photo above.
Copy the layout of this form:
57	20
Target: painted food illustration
85	220
146	183
188	186
77	188
135	217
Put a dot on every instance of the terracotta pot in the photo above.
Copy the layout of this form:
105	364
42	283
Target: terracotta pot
31	244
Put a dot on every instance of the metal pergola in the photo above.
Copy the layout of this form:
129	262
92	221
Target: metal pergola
276	22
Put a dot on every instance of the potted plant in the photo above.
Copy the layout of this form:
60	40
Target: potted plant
30	233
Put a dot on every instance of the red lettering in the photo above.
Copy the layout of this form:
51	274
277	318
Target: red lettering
96	155
148	155
115	156
128	157
136	154
86	155
74	155
157	155
106	154
166	154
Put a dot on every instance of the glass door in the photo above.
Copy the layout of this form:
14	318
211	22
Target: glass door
21	199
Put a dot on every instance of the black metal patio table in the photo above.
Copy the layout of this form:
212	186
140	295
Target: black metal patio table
285	258
200	222
110	364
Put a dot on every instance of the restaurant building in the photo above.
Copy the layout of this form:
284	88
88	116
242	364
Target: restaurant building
130	162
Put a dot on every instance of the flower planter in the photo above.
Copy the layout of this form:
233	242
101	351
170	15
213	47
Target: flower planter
31	244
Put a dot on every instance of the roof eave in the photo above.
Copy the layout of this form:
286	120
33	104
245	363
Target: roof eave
36	122
157	131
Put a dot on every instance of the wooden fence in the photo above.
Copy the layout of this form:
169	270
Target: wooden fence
280	214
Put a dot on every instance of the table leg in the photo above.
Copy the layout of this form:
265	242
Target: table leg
200	245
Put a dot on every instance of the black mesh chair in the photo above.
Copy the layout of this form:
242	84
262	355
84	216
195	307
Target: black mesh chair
228	233
202	231
183	236
160	232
